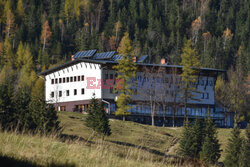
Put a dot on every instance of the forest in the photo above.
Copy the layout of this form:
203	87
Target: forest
37	35
52	30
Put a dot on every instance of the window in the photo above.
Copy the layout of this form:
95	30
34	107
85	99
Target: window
207	95
67	92
202	82
79	78
75	91
60	80
74	79
67	79
60	93
83	91
52	81
202	95
82	77
111	76
52	94
71	79
63	80
106	76
110	90
56	81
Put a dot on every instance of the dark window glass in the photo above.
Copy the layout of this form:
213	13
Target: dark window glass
207	95
79	78
75	92
52	81
60	93
106	76
60	80
82	77
63	80
52	94
67	79
67	92
202	95
71	79
83	91
111	76
56	81
74	79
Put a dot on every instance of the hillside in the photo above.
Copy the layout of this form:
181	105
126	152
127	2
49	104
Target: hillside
130	144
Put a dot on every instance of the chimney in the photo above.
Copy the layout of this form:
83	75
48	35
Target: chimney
134	59
72	57
163	61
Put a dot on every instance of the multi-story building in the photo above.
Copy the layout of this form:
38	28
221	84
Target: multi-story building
71	86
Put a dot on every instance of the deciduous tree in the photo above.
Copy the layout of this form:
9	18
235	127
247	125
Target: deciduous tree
190	61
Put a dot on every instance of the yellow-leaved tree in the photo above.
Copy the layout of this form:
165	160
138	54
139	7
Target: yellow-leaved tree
191	63
126	70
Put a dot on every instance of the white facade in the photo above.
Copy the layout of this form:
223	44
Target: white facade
64	89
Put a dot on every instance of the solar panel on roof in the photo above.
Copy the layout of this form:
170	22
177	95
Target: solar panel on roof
117	57
142	59
84	54
104	55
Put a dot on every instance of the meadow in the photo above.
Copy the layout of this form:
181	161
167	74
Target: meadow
131	144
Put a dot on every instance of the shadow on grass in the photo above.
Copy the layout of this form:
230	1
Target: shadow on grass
156	152
72	138
9	161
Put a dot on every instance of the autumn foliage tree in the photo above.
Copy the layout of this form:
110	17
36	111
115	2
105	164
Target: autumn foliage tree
190	61
126	69
46	34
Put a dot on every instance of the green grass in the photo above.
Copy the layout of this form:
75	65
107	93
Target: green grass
131	144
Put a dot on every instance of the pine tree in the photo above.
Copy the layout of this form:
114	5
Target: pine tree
245	152
42	117
210	148
233	149
186	144
198	136
97	119
20	8
190	61
126	69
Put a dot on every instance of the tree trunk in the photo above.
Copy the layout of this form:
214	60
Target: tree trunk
123	117
153	119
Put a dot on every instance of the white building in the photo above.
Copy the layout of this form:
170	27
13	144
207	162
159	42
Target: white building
70	87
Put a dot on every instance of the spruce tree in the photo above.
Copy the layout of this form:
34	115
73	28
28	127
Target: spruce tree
210	148
245	153
198	136
97	119
233	149
186	147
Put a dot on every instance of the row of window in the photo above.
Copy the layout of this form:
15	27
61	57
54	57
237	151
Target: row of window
67	93
67	79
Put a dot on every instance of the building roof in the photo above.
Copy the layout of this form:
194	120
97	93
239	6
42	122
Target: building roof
110	58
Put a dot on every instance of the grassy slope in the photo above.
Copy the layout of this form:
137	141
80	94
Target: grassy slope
130	144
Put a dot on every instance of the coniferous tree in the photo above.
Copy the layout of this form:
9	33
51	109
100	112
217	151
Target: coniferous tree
126	69
198	136
97	118
245	152
186	144
233	148
210	152
190	60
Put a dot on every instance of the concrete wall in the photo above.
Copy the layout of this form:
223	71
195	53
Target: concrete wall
81	69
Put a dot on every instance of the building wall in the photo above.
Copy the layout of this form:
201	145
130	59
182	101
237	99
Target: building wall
204	96
81	69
